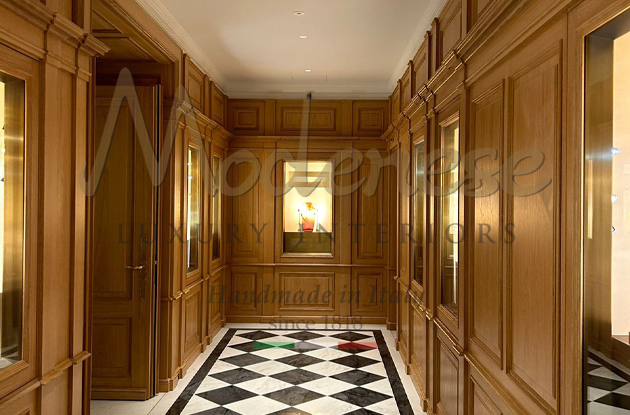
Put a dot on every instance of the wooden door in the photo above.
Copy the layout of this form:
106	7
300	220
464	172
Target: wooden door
124	237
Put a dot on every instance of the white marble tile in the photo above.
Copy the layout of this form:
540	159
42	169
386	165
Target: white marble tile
198	404
327	368
263	386
382	386
328	406
327	386
386	407
270	368
258	405
595	408
605	373
274	353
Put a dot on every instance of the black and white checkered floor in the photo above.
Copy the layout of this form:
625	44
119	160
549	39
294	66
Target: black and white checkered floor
261	372
608	387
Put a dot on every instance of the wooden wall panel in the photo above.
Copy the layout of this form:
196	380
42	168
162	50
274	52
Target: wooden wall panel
246	117
447	376
480	402
241	238
450	26
532	326
421	65
406	86
395	103
325	119
194	81
370	233
192	327
218	105
304	292
244	287
477	8
369	118
367	286
486	285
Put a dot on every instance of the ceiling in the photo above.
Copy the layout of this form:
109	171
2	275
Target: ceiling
252	48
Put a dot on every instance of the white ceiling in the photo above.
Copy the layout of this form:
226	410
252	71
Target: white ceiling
355	48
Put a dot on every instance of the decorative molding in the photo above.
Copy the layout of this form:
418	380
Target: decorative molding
160	14
253	90
432	11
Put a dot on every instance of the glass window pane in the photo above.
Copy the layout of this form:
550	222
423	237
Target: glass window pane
194	209
448	203
216	208
419	212
12	215
308	207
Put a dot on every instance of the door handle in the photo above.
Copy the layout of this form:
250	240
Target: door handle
135	267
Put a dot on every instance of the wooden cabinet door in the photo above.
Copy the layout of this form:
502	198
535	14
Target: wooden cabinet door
124	211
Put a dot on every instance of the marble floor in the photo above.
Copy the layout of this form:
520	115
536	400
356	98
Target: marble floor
254	369
608	386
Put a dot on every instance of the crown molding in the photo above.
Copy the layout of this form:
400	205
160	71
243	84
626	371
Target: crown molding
432	11
160	14
252	90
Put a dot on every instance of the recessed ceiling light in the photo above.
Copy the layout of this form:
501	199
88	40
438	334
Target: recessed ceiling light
308	70
303	36
299	13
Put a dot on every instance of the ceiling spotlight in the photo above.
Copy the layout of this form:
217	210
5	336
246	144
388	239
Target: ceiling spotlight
303	36
615	151
308	70
299	13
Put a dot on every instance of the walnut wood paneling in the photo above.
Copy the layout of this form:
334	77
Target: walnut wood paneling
480	402
325	118
450	26
421	65
532	326
218	105
246	117
195	84
447	375
486	283
369	233
193	311
369	118
242	239
395	103
244	287
477	8
406	86
306	291
367	287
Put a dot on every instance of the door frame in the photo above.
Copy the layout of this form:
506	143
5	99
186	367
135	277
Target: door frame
133	24
583	20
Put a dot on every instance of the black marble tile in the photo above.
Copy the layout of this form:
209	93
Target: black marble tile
244	360
591	366
604	383
351	336
290	411
217	411
617	400
297	376
227	395
304	335
360	397
355	361
362	411
294	396
237	376
257	335
303	347
358	377
299	360
244	347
